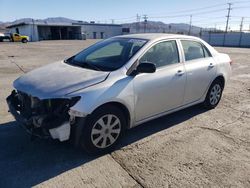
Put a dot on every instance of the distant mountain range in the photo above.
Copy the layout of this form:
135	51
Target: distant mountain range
156	26
151	26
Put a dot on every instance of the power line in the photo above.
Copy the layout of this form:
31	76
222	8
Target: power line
209	19
196	13
240	17
138	18
126	18
239	2
196	9
241	7
185	15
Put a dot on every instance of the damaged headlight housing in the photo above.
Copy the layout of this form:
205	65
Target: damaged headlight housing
75	113
53	112
68	102
74	100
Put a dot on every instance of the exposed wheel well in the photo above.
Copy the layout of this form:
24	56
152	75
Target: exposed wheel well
221	79
120	106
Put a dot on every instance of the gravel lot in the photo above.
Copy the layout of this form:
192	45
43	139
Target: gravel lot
190	148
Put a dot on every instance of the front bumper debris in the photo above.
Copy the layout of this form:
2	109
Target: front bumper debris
41	118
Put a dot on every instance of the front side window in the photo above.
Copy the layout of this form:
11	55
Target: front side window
107	55
194	50
161	54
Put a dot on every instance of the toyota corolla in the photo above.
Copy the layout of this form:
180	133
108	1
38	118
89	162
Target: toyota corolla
116	84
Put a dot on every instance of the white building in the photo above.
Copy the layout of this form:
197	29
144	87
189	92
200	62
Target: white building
100	31
42	30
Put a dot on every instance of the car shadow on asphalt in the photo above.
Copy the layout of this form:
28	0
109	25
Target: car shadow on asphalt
26	163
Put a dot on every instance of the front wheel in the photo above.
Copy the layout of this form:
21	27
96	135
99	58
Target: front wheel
214	94
24	40
103	130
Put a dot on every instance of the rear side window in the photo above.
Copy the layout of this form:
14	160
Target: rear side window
161	54
194	50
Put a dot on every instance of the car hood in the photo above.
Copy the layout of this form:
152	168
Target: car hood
57	80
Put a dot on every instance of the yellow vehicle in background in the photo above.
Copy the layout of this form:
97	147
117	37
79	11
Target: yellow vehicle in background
15	37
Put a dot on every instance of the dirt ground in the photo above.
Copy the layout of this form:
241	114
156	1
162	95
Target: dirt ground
190	148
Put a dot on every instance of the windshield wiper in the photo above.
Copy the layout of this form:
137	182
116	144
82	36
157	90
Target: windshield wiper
82	64
91	65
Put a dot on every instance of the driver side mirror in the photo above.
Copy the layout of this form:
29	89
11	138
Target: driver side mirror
145	68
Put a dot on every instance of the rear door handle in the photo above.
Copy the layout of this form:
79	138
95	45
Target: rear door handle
180	72
211	65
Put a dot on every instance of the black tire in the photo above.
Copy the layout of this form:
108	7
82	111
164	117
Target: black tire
211	101
24	40
91	123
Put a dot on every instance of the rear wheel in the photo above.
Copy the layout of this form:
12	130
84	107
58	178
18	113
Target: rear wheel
214	94
103	130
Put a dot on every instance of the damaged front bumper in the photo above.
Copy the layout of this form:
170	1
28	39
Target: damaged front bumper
42	118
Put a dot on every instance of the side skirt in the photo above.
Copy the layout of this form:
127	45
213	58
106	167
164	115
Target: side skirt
167	112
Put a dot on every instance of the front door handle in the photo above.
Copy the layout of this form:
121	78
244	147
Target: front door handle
180	72
211	65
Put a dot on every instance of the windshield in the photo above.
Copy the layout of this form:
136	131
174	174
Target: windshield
107	55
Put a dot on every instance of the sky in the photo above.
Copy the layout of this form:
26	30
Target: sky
205	13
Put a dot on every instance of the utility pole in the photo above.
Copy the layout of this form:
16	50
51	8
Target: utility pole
138	23
228	14
145	17
241	24
241	27
228	17
33	28
190	25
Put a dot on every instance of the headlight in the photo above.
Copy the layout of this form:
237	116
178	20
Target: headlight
76	113
34	101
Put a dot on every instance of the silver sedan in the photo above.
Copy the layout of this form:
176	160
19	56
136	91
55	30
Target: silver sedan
116	84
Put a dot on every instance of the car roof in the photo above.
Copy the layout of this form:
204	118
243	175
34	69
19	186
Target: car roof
155	36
